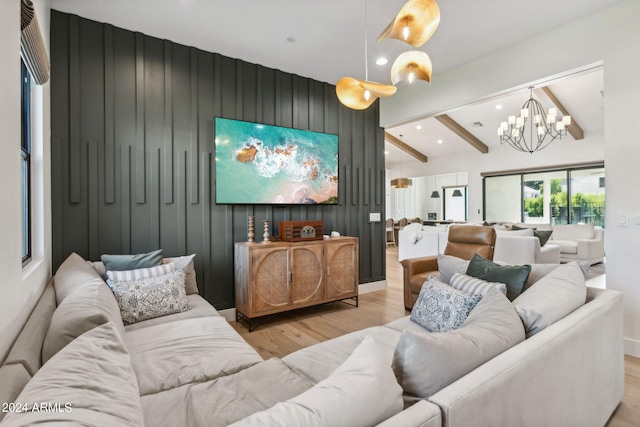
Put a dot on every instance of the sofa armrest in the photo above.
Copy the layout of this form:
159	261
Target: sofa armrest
580	358
589	249
414	266
422	414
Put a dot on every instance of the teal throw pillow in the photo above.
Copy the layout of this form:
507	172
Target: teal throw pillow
543	235
132	262
514	276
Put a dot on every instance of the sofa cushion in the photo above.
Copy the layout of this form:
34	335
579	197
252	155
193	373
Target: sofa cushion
228	399
92	382
27	349
318	361
172	354
73	273
475	286
448	265
140	273
538	271
185	263
132	262
150	297
425	362
441	307
551	298
362	391
567	246
89	306
516	231
573	232
514	276
13	379
198	307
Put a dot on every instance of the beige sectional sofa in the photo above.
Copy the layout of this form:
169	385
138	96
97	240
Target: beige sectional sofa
193	369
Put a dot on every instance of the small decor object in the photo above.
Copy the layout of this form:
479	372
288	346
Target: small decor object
299	231
250	232
266	234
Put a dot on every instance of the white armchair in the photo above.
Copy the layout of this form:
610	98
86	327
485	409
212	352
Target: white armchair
514	249
579	242
428	245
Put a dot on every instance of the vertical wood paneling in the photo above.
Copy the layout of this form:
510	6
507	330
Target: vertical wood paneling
93	200
109	136
194	142
140	148
152	137
125	198
74	110
168	124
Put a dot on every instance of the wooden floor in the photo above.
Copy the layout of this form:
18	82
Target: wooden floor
285	333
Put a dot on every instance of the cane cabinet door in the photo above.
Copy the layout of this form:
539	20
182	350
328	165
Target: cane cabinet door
342	268
306	274
269	277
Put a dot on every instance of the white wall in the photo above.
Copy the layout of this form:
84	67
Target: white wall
20	288
610	37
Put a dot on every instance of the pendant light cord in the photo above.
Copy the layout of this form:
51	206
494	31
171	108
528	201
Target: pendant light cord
366	59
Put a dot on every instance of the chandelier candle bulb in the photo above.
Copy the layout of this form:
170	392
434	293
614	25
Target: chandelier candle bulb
566	120
524	112
511	119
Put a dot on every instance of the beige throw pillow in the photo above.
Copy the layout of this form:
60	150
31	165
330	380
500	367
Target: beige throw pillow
72	273
425	362
90	382
89	306
360	392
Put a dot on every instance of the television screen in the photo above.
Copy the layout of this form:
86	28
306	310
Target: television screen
263	164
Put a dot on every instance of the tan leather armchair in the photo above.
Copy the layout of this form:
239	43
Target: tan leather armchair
464	242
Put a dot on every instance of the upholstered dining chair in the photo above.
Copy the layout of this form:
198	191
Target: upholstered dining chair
464	241
390	232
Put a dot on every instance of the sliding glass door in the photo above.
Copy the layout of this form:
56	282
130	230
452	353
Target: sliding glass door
567	196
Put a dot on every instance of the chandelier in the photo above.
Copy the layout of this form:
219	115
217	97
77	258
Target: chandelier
534	129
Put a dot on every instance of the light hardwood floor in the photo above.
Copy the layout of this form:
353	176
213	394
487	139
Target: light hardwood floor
285	333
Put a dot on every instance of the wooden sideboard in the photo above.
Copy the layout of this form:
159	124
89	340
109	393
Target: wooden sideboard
280	276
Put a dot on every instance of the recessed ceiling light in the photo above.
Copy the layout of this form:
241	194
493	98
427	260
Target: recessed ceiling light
381	61
440	141
498	107
418	127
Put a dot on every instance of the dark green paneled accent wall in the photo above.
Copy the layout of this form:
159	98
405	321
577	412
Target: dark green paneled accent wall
133	159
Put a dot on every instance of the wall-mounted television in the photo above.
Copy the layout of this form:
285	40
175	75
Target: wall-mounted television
264	164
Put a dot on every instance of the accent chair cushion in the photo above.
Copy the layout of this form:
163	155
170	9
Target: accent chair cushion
441	307
514	276
361	392
92	381
150	297
551	298
132	262
426	362
89	306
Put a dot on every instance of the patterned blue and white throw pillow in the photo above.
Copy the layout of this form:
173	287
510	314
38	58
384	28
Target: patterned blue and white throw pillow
150	297
442	308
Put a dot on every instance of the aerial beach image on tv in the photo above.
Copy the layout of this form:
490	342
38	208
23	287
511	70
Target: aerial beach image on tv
264	164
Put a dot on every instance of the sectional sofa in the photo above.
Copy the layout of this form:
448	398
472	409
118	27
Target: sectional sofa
553	358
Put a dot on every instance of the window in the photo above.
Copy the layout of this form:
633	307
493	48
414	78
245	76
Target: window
563	196
26	163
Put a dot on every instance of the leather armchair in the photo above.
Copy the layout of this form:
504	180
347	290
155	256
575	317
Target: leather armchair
464	242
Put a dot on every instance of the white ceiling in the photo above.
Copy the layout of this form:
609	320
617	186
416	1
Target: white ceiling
329	43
